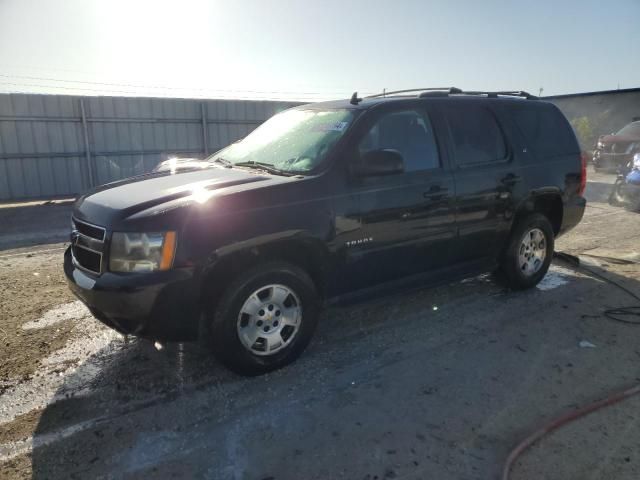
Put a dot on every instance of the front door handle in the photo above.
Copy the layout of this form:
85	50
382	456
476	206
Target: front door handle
511	179
435	191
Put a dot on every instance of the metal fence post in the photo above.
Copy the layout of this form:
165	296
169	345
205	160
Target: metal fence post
87	150
205	134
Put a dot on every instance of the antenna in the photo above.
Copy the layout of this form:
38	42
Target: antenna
354	99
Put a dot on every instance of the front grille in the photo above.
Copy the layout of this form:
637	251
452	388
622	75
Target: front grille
87	259
87	245
89	230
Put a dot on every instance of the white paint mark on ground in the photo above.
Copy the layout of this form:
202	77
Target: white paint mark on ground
555	277
69	311
13	449
89	346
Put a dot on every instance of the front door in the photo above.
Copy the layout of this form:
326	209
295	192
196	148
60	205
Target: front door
403	223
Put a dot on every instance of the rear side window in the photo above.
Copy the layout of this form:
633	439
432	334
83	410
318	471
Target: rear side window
409	132
476	135
545	130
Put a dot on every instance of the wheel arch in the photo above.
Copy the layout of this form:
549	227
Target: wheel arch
297	248
548	203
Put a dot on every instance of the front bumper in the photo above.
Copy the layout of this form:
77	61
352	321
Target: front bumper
158	305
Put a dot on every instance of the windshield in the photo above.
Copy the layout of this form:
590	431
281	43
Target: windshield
632	130
292	141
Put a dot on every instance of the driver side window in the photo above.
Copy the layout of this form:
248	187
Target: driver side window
407	131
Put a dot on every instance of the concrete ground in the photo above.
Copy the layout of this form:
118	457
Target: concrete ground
435	384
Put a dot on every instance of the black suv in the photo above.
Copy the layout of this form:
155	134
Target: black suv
327	202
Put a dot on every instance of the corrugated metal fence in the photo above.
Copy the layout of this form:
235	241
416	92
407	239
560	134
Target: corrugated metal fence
55	145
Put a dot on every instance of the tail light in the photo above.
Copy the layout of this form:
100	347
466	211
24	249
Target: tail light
583	173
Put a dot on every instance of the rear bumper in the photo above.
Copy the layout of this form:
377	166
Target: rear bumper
158	305
572	214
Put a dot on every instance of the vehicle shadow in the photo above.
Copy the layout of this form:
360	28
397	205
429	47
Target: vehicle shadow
141	412
598	192
34	223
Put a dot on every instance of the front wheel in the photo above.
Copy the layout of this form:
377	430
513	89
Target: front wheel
616	198
529	252
265	318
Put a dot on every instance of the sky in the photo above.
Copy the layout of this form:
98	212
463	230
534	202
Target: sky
316	49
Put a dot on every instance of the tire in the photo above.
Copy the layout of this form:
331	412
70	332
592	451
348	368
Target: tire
515	275
616	198
262	291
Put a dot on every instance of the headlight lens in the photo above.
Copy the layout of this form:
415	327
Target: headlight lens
142	252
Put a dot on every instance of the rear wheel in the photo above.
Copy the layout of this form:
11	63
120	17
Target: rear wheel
265	318
529	252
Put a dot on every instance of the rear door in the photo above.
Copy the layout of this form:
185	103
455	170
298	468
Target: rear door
488	179
406	221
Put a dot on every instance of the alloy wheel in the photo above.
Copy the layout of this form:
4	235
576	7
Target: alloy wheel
269	319
532	252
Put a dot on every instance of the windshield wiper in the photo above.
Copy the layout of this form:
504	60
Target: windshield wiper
267	167
222	161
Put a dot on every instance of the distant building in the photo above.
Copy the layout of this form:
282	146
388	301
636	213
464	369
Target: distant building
599	113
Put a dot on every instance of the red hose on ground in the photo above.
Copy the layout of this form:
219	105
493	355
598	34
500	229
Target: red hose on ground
561	421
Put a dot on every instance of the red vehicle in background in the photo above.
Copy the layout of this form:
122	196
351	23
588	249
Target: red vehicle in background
617	150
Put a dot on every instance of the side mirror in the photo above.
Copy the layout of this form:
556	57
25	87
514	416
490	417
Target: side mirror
379	162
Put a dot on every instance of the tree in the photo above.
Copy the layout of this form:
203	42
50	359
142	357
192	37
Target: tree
585	132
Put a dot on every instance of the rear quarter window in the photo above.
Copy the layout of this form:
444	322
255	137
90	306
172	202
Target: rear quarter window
545	130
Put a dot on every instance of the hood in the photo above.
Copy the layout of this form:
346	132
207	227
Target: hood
174	165
166	189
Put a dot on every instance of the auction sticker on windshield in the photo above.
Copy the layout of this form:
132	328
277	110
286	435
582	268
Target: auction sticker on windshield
331	127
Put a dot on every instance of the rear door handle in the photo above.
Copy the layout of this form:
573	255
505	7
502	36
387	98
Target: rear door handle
511	179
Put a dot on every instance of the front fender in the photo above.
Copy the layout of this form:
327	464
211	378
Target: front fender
294	246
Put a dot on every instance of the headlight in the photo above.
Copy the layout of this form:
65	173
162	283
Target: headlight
142	252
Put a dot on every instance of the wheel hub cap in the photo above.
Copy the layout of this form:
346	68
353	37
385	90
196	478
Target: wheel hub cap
269	319
532	252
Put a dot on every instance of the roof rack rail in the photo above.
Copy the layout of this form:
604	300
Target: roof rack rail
503	93
411	90
446	91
